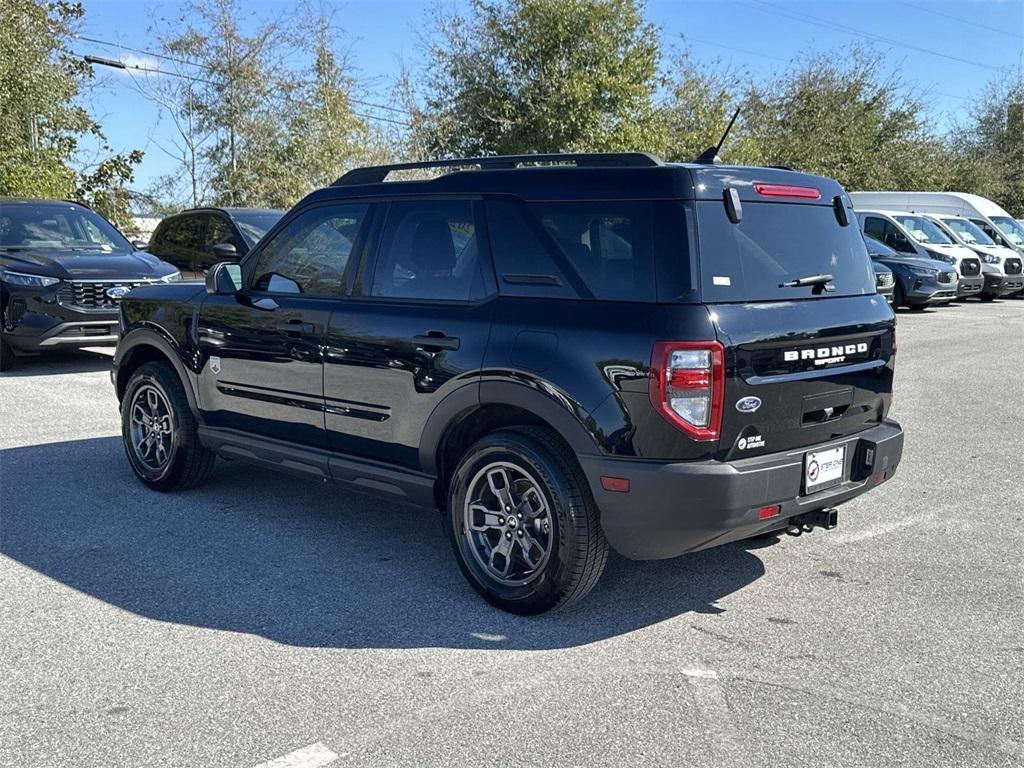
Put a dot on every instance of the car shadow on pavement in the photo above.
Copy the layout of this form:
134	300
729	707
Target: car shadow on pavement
59	363
302	563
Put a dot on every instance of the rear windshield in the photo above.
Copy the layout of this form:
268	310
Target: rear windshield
775	243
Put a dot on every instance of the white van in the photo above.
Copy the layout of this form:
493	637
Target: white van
1003	266
916	235
992	219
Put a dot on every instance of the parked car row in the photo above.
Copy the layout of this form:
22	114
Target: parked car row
942	246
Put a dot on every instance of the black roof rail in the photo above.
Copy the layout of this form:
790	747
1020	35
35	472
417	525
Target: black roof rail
376	173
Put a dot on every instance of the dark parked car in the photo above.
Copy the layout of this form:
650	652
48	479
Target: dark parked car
608	349
196	239
920	282
63	270
885	281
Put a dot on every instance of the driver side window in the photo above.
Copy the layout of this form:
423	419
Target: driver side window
309	255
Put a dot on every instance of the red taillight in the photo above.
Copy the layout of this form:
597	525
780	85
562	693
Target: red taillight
764	513
787	190
687	385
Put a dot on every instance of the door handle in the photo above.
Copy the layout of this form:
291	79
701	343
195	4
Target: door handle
436	340
295	326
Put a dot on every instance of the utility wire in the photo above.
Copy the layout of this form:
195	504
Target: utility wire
962	21
818	21
733	48
154	54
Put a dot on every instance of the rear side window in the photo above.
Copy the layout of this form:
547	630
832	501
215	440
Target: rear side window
775	243
600	249
429	250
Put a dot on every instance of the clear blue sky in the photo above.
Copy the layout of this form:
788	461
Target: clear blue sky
384	32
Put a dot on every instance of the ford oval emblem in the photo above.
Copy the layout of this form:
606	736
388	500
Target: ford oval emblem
748	404
118	291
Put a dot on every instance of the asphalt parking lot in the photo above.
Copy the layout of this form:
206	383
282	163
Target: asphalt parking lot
265	620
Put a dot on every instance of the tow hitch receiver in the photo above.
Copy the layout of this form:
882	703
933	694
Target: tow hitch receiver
807	522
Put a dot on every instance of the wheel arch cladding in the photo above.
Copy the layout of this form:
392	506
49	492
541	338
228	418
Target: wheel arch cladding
145	345
453	429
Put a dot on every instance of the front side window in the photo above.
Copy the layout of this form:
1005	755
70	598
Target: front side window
429	250
218	231
310	254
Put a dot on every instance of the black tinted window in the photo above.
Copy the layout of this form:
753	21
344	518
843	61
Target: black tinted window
527	261
775	243
608	244
218	230
875	227
429	250
186	232
310	254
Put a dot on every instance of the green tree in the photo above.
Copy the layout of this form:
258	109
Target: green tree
701	100
836	114
267	116
41	123
988	147
516	76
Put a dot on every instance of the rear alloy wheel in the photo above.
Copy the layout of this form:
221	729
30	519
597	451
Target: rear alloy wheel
159	431
523	524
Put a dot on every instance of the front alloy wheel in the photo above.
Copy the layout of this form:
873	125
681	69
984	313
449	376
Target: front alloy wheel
152	428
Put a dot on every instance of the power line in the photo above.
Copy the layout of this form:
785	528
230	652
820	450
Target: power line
962	21
818	21
738	50
197	65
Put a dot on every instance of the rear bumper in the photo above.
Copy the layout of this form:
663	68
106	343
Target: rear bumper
672	509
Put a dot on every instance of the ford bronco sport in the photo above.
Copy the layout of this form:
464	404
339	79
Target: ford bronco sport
561	353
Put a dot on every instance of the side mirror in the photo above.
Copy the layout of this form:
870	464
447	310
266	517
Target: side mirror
224	279
225	252
140	245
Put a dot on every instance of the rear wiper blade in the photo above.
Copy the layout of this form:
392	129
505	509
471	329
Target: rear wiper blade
818	282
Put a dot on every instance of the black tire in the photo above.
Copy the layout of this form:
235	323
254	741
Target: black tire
987	296
918	307
575	548
6	355
899	296
186	463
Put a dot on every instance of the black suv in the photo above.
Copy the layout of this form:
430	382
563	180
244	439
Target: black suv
63	270
561	352
196	239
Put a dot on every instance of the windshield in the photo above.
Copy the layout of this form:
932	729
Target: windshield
61	226
775	243
922	230
968	231
255	224
1014	231
876	248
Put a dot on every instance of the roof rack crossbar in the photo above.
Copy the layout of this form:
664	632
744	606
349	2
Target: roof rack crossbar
377	173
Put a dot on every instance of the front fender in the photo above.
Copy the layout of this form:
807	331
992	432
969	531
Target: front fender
143	340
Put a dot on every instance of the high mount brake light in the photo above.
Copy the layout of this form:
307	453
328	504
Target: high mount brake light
787	190
687	385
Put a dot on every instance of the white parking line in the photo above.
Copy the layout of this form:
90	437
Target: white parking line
312	756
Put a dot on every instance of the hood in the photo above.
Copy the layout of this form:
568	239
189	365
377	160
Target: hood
1000	251
950	249
85	265
914	261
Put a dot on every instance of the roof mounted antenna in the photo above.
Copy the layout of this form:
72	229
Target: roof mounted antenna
710	155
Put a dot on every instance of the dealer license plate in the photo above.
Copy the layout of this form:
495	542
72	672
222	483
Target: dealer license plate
823	469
